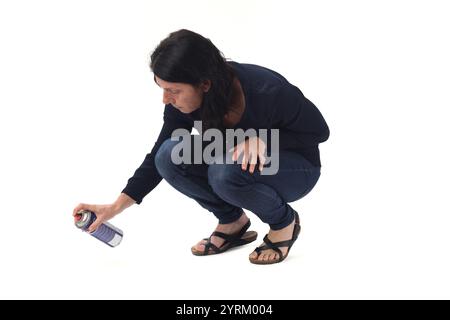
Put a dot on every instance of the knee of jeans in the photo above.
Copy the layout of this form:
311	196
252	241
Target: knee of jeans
222	177
163	160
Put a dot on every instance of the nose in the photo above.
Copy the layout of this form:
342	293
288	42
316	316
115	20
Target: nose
167	98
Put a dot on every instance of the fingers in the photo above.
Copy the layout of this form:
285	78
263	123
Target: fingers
237	151
252	151
250	157
94	225
253	161
83	206
242	148
262	160
261	152
77	208
245	159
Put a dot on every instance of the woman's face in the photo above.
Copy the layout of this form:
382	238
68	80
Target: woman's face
185	97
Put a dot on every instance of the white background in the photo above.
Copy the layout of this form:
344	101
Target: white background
79	111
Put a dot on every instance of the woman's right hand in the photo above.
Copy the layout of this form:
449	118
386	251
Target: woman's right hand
104	212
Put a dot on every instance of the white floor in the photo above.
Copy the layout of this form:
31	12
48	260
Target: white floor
346	250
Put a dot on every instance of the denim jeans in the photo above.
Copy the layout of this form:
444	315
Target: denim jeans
225	189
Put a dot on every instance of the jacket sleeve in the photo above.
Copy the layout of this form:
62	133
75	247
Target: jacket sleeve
146	177
300	123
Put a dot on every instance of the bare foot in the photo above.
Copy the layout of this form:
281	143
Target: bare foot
228	228
275	236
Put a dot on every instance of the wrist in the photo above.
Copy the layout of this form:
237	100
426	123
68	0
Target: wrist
116	208
122	202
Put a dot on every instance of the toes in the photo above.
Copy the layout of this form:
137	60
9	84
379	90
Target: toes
253	255
263	256
273	256
200	246
267	255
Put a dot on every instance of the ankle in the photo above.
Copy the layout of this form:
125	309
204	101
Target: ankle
240	221
288	227
233	226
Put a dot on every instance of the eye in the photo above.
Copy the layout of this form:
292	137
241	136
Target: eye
173	91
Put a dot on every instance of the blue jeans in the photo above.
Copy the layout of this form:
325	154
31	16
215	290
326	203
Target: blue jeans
225	189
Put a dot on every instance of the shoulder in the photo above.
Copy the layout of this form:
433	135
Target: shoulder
257	73
259	80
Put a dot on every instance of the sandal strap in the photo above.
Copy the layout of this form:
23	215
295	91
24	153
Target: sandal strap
261	248
276	245
297	218
209	245
226	237
230	239
268	245
286	243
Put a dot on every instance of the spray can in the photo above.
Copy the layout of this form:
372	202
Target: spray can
106	232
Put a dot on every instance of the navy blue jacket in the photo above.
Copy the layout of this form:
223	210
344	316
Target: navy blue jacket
271	102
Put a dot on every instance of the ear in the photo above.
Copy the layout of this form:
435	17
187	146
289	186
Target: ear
206	85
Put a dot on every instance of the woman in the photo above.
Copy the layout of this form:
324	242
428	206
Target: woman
199	84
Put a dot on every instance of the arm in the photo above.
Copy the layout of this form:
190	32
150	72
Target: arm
123	202
146	177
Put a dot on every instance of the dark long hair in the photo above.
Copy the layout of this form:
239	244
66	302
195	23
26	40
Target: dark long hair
187	57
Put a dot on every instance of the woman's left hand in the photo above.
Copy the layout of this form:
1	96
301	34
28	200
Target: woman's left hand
253	149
